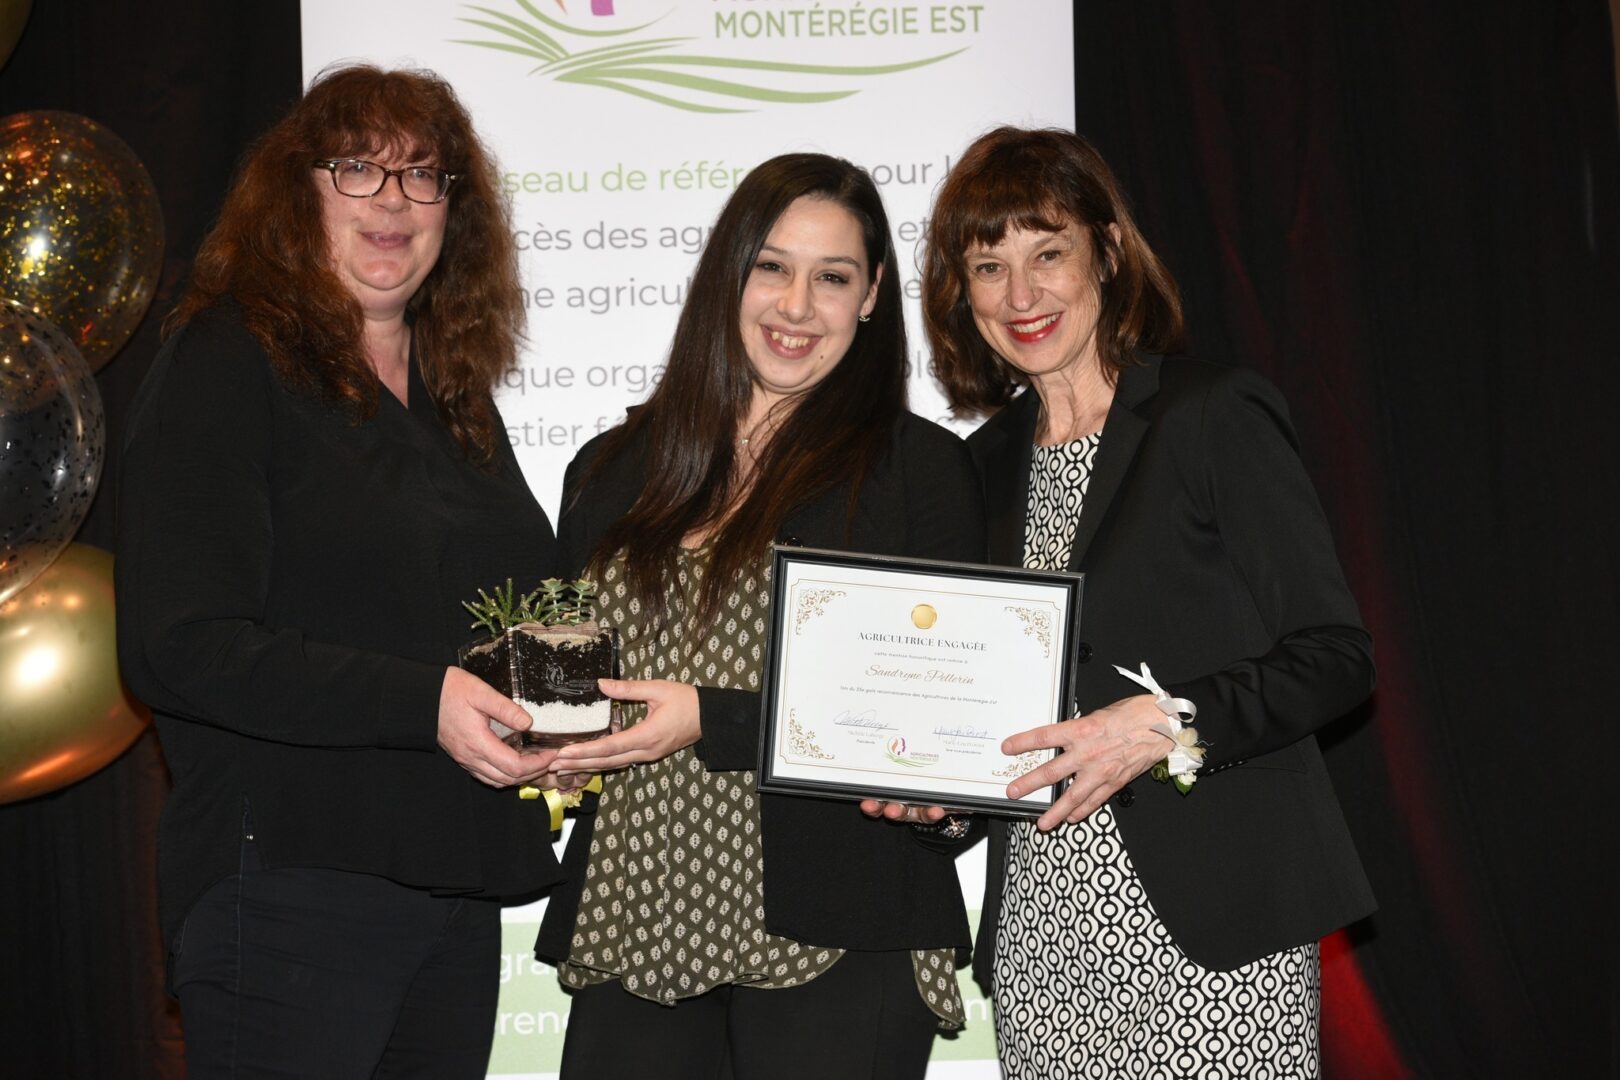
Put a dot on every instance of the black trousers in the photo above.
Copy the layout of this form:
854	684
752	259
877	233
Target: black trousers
324	973
861	1020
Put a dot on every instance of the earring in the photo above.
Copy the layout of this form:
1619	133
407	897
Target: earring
866	318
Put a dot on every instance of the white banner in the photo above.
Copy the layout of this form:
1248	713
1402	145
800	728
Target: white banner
621	127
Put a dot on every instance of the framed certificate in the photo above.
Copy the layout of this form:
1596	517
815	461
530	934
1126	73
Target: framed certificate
898	679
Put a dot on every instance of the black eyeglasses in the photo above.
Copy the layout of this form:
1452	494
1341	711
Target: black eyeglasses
360	179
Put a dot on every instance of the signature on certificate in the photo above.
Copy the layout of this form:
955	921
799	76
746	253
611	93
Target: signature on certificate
963	732
867	719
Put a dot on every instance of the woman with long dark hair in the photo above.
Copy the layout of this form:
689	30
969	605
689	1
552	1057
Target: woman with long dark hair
717	928
315	476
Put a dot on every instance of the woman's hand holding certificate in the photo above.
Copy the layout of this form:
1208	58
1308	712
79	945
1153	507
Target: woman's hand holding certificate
1097	754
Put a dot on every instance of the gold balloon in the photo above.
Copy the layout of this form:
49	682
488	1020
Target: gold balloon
63	711
13	17
81	231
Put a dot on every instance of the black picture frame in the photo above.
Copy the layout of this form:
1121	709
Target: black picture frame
771	781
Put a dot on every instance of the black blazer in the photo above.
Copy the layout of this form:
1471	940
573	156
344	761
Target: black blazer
289	596
1207	556
831	875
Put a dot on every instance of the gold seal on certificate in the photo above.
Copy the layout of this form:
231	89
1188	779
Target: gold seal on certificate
898	679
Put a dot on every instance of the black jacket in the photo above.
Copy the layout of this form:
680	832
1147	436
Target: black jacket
289	595
831	875
1207	556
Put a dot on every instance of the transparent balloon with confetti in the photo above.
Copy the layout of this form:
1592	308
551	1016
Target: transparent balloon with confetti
52	435
81	230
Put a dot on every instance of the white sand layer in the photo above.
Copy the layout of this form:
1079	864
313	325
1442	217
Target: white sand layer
561	718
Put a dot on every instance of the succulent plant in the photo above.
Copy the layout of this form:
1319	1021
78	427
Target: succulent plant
553	603
566	603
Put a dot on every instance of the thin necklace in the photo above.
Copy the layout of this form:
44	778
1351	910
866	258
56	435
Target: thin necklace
742	440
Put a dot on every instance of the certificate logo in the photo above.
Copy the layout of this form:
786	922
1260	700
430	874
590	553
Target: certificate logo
896	752
923	616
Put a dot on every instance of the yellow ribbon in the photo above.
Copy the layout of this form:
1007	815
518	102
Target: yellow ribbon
558	801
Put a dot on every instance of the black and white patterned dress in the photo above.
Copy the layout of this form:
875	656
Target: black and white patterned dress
673	903
1087	981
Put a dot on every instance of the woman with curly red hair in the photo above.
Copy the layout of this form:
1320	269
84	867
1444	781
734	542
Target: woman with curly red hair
315	475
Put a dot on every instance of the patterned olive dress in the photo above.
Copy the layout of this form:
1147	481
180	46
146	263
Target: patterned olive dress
672	904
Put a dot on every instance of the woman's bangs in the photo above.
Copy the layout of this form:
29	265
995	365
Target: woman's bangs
376	125
994	203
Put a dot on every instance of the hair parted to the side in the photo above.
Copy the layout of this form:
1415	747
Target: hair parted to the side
1038	179
834	433
270	254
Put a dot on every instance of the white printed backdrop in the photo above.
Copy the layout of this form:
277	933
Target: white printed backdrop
621	126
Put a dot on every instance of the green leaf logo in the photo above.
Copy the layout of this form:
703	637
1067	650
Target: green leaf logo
653	67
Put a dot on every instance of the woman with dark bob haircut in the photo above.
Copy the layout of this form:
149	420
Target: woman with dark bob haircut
718	931
1144	928
315	475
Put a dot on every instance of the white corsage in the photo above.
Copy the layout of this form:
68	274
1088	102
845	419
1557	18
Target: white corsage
1186	757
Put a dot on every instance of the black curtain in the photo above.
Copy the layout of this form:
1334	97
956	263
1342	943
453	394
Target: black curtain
1405	214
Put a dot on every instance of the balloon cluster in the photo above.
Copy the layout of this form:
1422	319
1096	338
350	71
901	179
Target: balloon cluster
81	245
